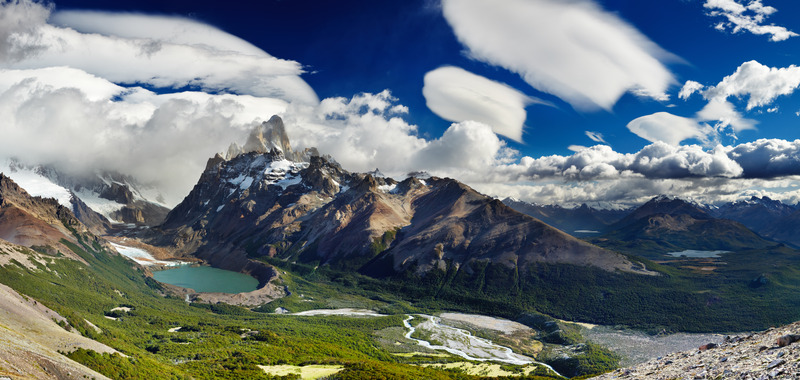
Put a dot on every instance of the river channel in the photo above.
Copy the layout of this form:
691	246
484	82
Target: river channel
462	343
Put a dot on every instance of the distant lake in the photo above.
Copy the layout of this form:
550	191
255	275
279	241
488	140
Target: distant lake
697	254
207	279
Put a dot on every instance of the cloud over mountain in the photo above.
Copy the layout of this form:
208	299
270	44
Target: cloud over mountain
133	92
80	122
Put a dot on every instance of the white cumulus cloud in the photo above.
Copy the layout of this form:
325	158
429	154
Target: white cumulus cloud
761	84
750	18
768	158
575	50
458	95
363	133
689	88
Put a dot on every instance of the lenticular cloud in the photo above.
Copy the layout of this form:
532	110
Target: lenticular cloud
166	52
572	49
458	95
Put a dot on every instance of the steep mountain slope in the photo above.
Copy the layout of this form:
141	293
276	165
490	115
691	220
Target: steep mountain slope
116	196
579	221
786	229
663	205
770	218
314	211
31	337
454	223
35	221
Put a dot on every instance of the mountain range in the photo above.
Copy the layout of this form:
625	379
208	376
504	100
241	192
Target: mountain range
316	234
767	218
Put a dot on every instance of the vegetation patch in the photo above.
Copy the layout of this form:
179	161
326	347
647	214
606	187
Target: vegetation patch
307	372
497	370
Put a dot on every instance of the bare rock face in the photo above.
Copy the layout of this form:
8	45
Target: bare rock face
97	223
270	135
118	193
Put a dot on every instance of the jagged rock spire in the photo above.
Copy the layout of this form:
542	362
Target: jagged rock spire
270	135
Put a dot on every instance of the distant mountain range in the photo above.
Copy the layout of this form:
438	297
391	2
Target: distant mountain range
583	221
672	225
768	218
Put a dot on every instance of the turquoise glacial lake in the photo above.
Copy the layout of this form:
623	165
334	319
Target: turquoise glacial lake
207	279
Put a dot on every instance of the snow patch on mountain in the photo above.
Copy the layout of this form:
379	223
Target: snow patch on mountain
280	172
141	256
101	205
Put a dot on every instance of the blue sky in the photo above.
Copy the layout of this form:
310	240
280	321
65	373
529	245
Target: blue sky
583	96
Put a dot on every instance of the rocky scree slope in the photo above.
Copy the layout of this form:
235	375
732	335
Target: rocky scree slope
772	354
267	200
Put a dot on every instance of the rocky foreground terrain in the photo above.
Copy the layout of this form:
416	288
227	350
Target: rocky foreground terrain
772	354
